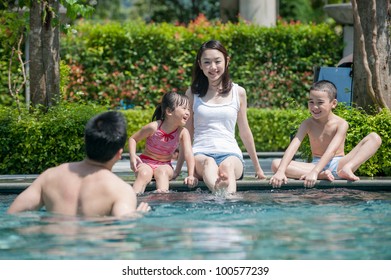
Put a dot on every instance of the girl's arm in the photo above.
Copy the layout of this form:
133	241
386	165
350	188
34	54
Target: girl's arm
190	180
186	153
246	134
190	128
143	133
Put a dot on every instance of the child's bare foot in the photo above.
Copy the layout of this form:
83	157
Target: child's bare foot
347	174
326	175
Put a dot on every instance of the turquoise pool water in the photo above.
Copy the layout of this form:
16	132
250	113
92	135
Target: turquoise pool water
328	224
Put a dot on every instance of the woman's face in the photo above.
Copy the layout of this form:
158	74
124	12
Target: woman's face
212	63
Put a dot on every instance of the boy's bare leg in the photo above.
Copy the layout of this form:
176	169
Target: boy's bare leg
364	150
295	169
207	168
163	175
143	177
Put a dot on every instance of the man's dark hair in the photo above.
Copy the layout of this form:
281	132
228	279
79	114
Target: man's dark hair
104	135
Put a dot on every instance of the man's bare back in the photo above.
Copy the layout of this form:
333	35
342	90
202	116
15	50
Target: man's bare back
82	188
88	187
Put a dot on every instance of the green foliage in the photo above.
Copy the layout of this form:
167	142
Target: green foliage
136	119
33	142
77	8
12	28
304	10
296	10
272	128
182	11
137	62
360	125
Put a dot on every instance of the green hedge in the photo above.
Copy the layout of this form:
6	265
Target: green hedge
138	62
33	142
360	125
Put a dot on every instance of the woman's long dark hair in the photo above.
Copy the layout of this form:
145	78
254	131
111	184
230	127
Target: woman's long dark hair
200	82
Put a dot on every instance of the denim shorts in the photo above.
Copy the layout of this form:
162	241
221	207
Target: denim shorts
220	157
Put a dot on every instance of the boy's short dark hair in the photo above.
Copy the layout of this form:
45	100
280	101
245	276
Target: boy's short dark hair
104	135
326	86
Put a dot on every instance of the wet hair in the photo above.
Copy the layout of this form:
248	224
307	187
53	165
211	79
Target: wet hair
104	135
170	100
326	86
200	82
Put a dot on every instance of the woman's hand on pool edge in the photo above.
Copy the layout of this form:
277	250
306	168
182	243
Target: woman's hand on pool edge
191	181
260	175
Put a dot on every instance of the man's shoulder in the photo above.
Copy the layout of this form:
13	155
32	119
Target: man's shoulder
61	169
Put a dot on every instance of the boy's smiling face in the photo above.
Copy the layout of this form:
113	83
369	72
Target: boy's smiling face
320	104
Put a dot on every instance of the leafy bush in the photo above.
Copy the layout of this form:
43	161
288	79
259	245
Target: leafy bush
360	125
33	142
136	63
12	27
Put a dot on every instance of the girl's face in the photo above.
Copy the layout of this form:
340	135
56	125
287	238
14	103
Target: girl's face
212	64
181	114
320	104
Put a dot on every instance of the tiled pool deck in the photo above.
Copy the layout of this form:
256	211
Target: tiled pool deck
17	183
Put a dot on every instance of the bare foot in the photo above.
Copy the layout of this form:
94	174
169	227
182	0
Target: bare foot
347	174
221	182
326	175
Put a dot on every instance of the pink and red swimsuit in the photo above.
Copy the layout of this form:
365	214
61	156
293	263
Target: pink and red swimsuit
160	143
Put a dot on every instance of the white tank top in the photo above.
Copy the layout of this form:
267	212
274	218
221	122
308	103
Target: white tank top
214	125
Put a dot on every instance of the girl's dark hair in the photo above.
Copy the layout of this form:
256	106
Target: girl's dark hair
104	135
170	100
200	82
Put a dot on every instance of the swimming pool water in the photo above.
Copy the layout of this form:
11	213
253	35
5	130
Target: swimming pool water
330	224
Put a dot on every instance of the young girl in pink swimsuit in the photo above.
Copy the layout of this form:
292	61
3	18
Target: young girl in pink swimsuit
163	137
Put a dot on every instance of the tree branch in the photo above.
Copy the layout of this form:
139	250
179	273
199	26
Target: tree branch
11	85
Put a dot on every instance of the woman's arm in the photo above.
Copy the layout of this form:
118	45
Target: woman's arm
246	134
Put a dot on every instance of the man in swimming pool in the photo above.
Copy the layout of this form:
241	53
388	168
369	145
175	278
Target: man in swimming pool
88	187
327	133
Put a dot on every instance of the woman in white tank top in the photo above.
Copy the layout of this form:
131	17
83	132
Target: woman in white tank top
218	105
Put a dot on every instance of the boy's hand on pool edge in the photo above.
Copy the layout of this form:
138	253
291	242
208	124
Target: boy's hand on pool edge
278	179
